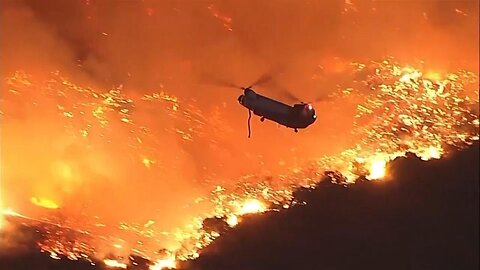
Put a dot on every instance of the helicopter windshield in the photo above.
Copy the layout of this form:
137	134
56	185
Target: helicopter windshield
310	111
304	110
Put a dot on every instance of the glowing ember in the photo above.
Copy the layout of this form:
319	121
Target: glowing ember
232	220
226	21
114	264
10	212
168	263
44	202
2	220
147	162
252	206
54	255
460	12
434	153
377	169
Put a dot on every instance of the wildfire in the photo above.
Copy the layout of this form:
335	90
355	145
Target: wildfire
226	21
377	169
232	221
406	111
44	202
251	206
2	221
399	110
167	263
115	264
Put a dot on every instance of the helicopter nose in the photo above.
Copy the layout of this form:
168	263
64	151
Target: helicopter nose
240	99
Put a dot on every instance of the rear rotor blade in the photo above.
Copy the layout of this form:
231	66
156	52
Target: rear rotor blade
220	82
321	99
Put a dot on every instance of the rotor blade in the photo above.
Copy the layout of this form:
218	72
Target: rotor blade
289	95
321	98
268	76
224	83
228	84
262	79
220	82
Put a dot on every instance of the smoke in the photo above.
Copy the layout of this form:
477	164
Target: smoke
171	46
16	239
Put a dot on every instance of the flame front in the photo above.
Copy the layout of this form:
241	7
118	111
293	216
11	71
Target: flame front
377	169
168	263
44	202
251	206
115	264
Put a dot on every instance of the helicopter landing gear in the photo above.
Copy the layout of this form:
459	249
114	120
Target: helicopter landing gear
262	119
296	130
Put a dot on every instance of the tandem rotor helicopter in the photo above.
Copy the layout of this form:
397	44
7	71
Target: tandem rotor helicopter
297	116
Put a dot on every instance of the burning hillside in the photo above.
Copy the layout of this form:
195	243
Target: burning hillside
113	146
399	110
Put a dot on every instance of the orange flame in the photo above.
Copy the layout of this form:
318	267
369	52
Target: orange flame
167	263
114	264
251	206
44	202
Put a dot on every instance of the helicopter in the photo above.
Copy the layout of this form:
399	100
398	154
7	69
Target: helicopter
297	116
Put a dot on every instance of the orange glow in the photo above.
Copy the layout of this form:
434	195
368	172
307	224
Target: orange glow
382	139
251	206
114	264
2	220
434	153
226	21
63	170
410	75
169	263
44	202
377	169
120	135
147	162
232	221
10	212
460	12
434	76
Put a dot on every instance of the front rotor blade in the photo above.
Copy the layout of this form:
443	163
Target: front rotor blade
262	79
268	76
220	82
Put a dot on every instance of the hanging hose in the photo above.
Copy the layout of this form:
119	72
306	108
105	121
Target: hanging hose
248	122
